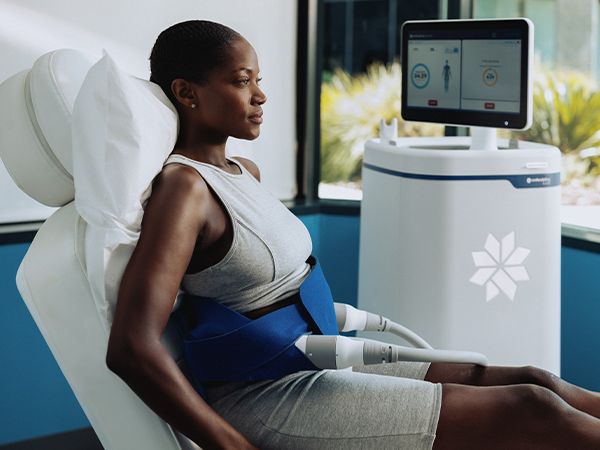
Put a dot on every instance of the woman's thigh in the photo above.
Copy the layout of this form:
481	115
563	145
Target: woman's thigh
471	374
336	409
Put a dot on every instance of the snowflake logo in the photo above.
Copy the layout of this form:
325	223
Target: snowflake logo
499	266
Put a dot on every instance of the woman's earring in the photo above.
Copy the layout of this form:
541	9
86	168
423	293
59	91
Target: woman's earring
193	105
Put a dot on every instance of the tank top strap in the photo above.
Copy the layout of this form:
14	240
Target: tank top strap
175	157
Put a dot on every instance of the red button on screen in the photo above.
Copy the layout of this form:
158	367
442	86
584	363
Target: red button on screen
432	102
489	105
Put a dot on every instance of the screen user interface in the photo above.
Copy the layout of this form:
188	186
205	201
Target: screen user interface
467	71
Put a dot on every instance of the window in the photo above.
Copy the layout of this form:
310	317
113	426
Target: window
566	95
360	83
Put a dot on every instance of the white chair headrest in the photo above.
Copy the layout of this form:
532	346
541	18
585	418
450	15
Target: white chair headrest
35	125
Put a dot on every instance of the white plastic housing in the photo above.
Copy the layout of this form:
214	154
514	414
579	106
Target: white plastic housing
429	241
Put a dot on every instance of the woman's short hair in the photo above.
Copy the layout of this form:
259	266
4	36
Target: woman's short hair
189	50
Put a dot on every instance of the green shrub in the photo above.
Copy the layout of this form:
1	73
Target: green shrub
566	114
351	108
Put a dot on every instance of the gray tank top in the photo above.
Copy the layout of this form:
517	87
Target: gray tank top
267	258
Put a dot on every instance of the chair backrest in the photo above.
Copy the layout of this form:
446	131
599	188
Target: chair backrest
35	146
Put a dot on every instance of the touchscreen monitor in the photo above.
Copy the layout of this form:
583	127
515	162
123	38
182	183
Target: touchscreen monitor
468	72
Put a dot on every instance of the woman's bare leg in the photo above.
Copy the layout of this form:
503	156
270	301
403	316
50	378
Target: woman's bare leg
522	416
473	375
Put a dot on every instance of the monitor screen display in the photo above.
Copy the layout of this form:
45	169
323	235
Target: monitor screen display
467	72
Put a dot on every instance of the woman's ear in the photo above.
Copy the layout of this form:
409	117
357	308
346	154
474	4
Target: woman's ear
183	92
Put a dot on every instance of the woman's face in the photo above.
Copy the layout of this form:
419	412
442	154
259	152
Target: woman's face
230	102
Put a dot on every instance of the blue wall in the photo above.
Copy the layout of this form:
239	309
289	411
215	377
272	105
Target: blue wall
36	400
335	243
580	318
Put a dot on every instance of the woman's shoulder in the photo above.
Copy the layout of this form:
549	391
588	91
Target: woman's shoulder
181	177
181	184
250	166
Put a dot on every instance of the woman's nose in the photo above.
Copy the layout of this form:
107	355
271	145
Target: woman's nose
259	96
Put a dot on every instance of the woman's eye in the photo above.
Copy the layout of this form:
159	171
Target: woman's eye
246	81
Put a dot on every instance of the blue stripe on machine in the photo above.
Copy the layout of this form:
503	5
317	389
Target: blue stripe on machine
538	180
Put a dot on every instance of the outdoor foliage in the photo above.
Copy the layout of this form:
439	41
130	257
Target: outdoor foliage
566	112
566	115
351	107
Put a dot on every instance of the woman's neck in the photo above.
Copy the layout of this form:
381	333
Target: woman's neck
210	153
201	144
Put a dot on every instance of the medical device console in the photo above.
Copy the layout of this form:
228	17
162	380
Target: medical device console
460	235
468	72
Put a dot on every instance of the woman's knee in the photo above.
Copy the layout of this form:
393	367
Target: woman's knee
534	401
540	377
521	414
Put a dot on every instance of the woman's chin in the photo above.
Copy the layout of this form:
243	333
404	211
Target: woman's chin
248	135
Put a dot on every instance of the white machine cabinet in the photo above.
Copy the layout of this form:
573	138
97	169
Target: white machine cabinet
463	246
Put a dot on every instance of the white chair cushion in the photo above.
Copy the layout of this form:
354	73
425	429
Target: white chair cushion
35	121
123	130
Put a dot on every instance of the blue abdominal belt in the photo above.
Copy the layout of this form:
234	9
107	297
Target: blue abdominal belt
227	346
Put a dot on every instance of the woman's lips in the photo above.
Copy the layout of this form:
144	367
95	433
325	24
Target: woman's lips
257	119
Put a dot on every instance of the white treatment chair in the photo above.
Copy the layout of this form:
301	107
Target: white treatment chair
35	146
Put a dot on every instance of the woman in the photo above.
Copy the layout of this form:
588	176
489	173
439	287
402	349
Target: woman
211	228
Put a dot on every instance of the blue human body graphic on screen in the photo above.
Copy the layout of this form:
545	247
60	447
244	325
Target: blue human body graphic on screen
446	75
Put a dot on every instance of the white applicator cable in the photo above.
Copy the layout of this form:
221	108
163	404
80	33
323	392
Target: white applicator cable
339	352
351	319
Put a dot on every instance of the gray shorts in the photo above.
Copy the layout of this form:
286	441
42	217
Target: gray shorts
386	406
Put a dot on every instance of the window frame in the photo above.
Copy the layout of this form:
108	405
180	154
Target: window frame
309	77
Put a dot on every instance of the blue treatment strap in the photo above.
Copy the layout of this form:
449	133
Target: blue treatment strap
227	346
226	353
318	301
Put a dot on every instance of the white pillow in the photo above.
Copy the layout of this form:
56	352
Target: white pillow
123	130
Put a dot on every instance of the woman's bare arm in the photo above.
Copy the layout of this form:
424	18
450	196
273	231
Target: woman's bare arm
173	219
